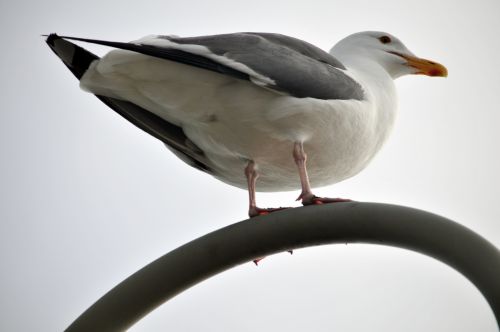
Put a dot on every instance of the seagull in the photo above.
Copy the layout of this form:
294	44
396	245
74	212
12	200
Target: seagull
259	111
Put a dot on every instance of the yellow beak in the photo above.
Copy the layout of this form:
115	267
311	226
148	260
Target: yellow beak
424	67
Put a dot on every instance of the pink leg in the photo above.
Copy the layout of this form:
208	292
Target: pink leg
253	209
307	197
251	175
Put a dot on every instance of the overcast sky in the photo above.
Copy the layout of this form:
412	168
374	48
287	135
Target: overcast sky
87	198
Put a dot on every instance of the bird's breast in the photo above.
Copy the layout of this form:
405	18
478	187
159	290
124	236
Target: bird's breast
340	138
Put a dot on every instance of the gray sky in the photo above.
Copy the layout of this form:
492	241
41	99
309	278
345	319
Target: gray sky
87	199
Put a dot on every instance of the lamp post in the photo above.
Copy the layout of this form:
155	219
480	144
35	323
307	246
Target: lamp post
351	222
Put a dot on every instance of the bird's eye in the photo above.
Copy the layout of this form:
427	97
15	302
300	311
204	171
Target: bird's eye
385	39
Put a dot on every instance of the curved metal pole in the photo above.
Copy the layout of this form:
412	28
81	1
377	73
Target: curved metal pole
403	227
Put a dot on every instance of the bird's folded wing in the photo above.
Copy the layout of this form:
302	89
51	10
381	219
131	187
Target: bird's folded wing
78	60
287	65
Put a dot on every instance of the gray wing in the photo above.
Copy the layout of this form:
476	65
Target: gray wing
289	65
297	67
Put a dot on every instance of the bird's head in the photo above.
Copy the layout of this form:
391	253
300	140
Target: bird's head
389	52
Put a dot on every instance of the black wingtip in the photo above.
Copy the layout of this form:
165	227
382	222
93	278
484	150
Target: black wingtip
50	39
76	58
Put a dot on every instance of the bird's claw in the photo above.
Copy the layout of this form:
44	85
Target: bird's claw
315	200
257	260
256	211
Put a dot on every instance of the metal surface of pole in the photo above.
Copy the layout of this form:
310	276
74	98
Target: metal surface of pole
352	222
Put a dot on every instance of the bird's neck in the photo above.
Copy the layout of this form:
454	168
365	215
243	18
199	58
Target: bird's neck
379	88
